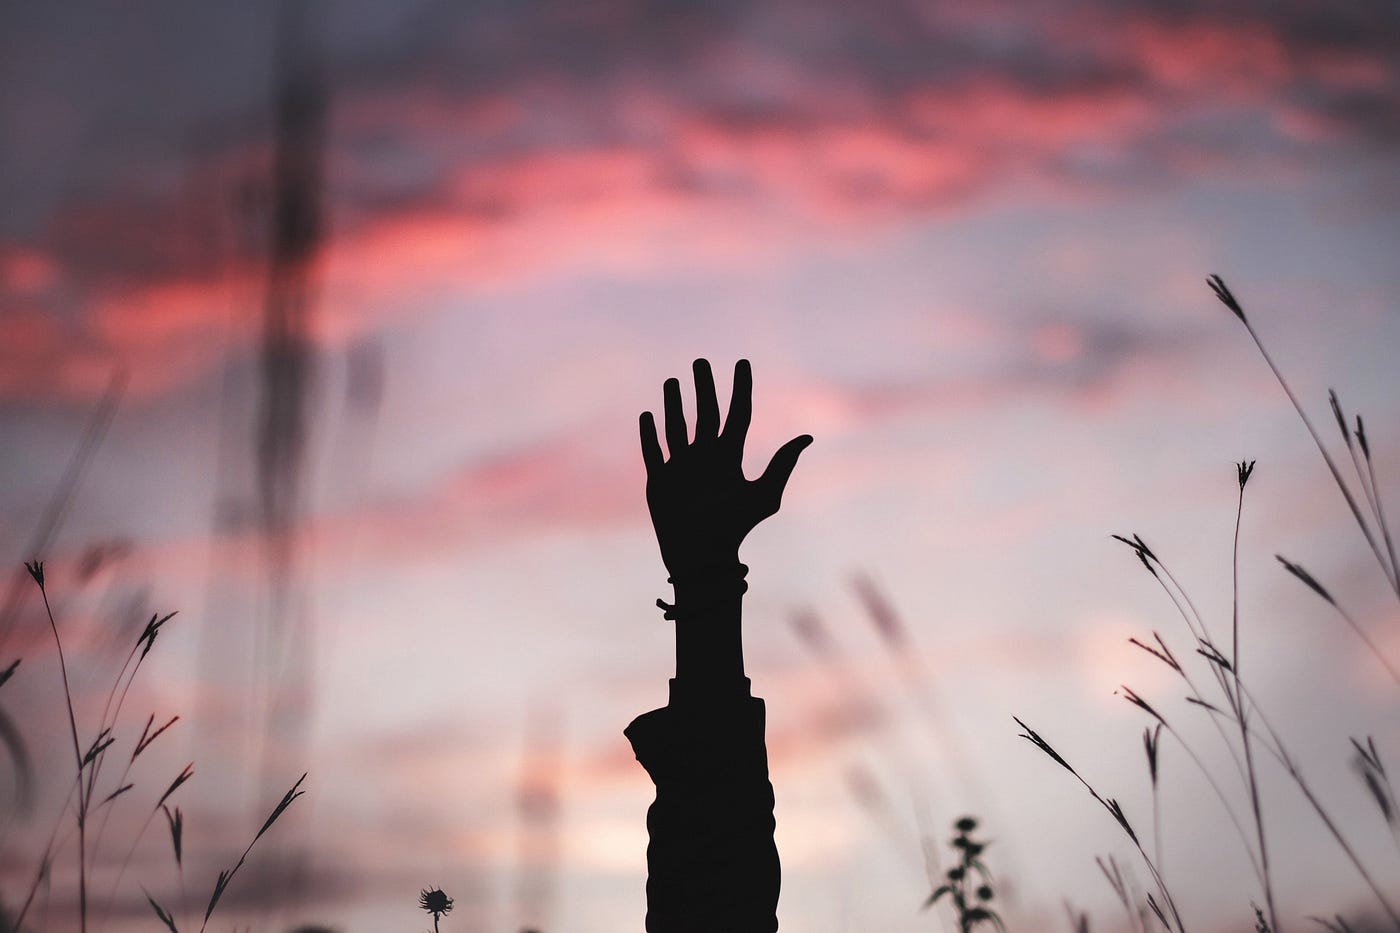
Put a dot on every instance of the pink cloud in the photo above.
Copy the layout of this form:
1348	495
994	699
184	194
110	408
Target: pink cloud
1196	53
27	271
662	180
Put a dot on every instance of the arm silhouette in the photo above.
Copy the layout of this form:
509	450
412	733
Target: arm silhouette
712	864
702	508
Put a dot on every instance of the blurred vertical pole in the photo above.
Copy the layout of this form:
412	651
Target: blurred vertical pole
287	375
257	676
537	805
286	351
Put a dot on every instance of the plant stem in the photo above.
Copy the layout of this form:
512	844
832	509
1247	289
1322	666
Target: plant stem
1286	761
1241	715
1219	677
1224	802
78	757
1380	515
1361	633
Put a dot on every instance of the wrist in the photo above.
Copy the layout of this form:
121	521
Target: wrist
708	590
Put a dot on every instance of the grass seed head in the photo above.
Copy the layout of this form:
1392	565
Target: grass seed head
1116	810
1164	655
165	917
117	793
1140	703
99	745
8	672
1151	741
176	820
286	802
1306	577
1361	438
1337	414
1034	738
1227	297
1244	469
1213	655
185	774
1152	902
148	634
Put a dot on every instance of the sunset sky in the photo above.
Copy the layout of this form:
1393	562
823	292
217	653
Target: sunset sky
964	245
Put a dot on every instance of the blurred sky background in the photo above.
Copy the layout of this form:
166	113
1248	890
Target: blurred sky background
376	291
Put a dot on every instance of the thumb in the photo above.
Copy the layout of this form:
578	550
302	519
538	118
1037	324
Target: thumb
774	479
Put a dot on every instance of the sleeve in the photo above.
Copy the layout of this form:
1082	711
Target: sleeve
712	865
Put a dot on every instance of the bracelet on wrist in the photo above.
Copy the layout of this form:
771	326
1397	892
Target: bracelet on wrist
718	585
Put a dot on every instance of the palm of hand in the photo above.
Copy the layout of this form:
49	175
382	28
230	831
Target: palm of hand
701	505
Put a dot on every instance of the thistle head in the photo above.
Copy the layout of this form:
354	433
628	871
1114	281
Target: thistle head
435	902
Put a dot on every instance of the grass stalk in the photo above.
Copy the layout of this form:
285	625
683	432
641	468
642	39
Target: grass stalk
145	643
1148	560
1151	741
36	570
1116	812
226	877
1376	496
1228	299
1241	712
1114	875
1371	770
1224	801
1181	599
1275	747
185	774
1312	583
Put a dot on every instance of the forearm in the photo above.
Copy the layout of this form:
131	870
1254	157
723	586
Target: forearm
712	863
708	614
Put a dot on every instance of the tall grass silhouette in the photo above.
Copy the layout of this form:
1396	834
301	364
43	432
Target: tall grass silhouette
1230	704
89	797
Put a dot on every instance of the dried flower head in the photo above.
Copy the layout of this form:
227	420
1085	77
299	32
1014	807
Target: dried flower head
435	902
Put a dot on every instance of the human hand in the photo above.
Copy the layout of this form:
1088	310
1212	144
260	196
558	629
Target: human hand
701	505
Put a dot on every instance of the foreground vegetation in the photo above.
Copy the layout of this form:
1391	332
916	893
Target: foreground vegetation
90	802
1216	688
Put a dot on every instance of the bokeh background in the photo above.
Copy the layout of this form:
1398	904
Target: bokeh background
328	325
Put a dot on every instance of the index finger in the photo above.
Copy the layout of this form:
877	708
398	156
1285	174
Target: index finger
651	447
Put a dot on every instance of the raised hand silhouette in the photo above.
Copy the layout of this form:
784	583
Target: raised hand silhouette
711	863
701	505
